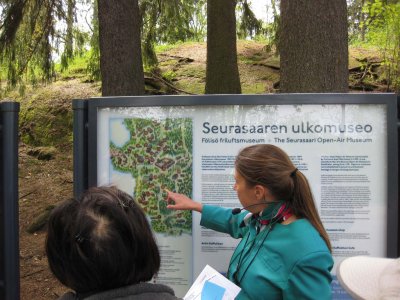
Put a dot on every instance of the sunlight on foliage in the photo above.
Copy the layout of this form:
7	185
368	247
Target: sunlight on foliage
41	41
383	25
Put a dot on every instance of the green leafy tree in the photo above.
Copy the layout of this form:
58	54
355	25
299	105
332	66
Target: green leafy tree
356	16
383	31
170	22
26	35
273	30
30	38
93	65
198	21
68	53
249	25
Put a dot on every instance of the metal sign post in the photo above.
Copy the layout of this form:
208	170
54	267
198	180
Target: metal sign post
9	228
80	146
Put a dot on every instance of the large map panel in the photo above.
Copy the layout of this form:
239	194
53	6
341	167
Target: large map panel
158	155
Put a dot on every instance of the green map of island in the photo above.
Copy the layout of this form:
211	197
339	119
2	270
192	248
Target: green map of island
158	154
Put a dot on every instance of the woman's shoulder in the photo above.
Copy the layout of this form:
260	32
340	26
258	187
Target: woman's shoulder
302	238
299	225
301	245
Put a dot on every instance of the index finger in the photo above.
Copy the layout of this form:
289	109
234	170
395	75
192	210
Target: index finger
169	194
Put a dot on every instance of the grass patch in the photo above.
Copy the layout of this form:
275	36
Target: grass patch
169	63
192	71
169	75
255	88
191	86
255	58
166	47
77	67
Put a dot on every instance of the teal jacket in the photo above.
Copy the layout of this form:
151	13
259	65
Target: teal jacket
283	262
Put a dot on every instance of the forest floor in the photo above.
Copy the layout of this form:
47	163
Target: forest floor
45	150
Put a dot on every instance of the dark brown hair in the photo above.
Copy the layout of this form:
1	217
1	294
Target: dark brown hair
271	167
101	241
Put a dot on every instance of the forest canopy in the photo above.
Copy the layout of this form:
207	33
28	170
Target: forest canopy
40	38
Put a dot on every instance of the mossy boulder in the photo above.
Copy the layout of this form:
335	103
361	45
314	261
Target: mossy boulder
46	124
46	115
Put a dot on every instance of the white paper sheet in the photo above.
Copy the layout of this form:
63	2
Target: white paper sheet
212	275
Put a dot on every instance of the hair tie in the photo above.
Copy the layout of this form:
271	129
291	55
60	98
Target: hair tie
79	239
293	172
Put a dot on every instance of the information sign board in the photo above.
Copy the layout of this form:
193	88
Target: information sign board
346	145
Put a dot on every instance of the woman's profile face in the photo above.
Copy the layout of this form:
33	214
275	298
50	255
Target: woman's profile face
245	193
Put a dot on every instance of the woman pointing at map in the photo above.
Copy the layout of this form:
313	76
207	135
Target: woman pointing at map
284	252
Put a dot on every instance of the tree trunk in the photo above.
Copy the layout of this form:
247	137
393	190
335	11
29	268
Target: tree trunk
222	73
120	48
362	20
314	47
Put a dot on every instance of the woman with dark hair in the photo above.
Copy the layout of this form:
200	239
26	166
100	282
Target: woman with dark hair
101	246
285	251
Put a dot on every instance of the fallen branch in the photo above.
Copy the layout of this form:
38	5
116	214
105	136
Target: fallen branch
180	58
364	74
40	221
26	195
363	67
368	60
267	65
361	72
171	85
355	69
152	82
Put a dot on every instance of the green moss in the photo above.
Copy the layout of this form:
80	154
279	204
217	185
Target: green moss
256	88
170	63
169	75
192	71
255	58
44	122
191	86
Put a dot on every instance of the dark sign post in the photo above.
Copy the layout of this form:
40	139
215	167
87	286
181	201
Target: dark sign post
80	146
398	178
346	144
9	239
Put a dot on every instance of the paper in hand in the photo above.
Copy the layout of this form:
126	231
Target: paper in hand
211	283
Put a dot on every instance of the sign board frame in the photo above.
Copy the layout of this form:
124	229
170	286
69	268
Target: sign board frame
86	133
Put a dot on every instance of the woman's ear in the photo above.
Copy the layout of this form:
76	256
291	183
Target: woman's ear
263	193
260	191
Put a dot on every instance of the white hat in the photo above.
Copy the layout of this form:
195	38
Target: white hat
370	278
